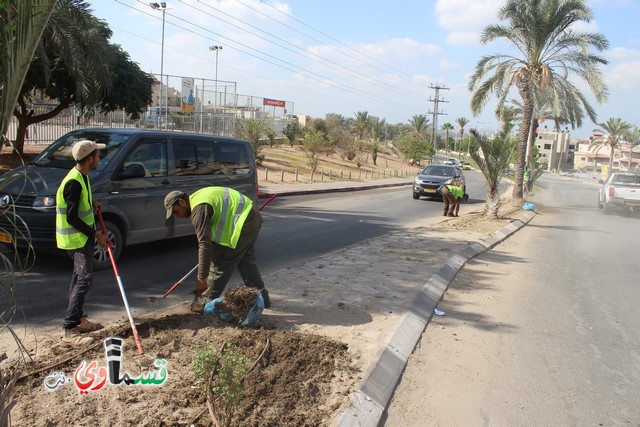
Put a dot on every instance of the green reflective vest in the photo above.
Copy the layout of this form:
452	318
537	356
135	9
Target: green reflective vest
230	210
68	237
526	175
455	191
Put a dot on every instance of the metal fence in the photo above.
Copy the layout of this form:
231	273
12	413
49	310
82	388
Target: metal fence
180	104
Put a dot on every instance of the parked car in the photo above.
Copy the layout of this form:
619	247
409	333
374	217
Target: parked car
136	171
429	182
452	161
621	190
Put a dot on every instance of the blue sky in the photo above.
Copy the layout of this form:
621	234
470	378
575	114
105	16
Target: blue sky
347	56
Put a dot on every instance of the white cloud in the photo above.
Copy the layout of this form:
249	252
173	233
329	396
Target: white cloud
465	19
624	54
625	76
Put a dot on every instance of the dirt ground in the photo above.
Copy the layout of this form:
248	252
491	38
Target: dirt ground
330	317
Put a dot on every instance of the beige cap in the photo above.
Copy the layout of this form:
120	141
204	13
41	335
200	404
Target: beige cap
83	148
171	200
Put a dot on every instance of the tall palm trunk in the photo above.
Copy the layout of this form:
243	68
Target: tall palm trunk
492	204
523	139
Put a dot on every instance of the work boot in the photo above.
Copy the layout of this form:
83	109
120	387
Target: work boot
88	326
451	214
72	338
265	297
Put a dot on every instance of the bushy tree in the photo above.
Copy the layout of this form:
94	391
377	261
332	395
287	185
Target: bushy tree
75	64
315	145
293	131
253	131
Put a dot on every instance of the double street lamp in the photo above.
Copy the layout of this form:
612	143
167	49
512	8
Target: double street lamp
163	7
216	49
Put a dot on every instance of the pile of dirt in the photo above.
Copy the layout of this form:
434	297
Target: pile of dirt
237	303
296	379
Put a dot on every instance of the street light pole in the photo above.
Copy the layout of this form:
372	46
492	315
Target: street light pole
216	49
163	7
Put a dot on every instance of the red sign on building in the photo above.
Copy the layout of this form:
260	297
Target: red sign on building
273	102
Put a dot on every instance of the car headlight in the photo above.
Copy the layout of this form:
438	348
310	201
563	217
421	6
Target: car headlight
416	181
449	181
44	203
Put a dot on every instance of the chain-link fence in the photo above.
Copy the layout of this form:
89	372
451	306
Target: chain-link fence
181	104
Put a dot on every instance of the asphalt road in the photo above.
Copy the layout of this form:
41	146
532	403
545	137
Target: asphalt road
543	330
295	229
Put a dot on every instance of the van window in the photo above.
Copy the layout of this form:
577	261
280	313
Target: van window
210	157
152	155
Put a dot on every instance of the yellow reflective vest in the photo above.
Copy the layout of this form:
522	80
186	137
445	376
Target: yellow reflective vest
455	191
230	210
67	237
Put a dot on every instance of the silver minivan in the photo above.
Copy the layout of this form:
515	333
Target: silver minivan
137	169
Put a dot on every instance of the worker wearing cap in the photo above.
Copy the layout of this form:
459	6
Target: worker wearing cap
76	233
227	225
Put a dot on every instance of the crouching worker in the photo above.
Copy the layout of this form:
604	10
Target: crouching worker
227	225
452	195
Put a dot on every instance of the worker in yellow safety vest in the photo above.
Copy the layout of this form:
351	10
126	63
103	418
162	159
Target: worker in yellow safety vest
76	233
227	225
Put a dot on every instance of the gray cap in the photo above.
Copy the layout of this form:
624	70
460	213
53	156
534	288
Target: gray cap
171	200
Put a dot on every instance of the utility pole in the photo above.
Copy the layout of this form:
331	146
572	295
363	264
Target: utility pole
436	112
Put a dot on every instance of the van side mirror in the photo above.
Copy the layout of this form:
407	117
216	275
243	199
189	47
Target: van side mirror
134	170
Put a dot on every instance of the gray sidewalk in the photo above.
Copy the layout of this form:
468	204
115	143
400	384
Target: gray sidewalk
267	190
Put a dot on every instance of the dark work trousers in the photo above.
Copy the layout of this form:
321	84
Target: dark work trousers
81	280
449	201
225	260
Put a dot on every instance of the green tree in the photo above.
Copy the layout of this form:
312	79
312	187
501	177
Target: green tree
615	129
462	122
361	125
271	135
76	65
492	157
21	26
550	50
315	145
447	127
253	131
378	126
293	131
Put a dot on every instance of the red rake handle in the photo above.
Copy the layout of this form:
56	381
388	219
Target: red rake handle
136	338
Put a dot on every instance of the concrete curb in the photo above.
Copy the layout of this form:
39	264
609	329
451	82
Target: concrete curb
381	380
332	190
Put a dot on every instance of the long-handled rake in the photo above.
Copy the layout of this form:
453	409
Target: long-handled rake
136	338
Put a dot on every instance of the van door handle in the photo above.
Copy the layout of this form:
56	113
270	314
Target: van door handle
114	192
166	181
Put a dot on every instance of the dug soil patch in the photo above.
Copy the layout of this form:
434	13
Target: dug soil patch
294	379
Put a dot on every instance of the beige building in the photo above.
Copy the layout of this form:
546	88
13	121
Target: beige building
590	158
555	148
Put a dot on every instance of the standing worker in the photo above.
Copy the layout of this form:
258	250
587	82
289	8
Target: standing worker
452	195
227	225
76	233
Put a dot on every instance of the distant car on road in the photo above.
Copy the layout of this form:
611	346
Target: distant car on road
452	161
429	182
620	190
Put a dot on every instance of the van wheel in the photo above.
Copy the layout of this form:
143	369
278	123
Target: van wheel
101	259
416	196
607	209
600	205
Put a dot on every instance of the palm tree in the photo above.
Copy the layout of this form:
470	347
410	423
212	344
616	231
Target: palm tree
633	138
447	127
615	129
492	157
361	125
550	50
462	122
22	25
378	126
419	126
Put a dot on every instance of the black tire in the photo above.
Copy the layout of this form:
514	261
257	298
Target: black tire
101	259
607	209
416	196
600	205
